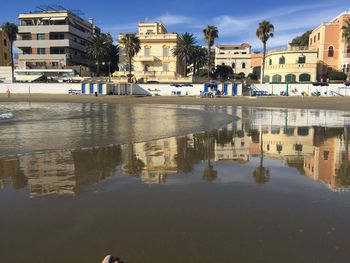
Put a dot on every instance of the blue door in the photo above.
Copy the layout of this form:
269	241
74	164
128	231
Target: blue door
215	87
83	88
100	90
113	90
91	88
235	90
225	88
206	87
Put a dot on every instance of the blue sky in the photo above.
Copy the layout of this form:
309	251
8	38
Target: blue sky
236	20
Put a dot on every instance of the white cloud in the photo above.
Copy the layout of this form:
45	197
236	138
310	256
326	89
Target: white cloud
170	20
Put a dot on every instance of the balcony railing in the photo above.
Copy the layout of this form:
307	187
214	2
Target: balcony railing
285	66
292	48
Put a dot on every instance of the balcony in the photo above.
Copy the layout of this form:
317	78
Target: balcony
145	58
46	29
291	66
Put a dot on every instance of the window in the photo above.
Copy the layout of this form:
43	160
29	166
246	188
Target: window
55	64
165	51
27	50
330	51
165	67
55	36
147	51
146	67
267	79
5	42
315	38
304	77
5	56
348	49
318	36
26	36
302	60
282	60
325	155
243	65
298	147
40	37
41	51
279	148
233	65
291	78
270	61
276	78
303	131
310	41
57	50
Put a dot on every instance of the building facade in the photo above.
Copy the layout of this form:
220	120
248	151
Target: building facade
54	39
291	65
332	48
5	49
236	56
155	61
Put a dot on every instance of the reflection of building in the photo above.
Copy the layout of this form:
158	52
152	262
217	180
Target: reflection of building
236	56
155	61
158	158
295	64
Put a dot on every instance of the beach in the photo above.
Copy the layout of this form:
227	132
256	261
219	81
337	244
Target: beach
326	103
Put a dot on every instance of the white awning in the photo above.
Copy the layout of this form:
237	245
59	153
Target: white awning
57	18
27	78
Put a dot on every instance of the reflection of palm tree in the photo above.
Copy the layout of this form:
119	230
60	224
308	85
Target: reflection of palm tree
261	174
134	165
209	174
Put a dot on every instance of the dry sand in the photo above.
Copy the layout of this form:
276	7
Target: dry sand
331	103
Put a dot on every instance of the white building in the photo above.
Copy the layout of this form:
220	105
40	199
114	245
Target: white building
236	56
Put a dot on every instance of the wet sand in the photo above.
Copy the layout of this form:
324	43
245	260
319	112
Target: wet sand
328	103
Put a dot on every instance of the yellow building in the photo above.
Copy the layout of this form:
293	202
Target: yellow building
155	61
291	65
5	49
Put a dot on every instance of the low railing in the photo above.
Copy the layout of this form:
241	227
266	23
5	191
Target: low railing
283	66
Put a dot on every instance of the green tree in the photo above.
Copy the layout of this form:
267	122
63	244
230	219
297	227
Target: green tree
223	72
346	36
303	40
132	46
335	75
199	59
184	49
264	32
11	31
99	48
210	34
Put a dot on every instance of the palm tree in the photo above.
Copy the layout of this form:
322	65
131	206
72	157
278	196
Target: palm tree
264	32
132	46
346	36
199	58
209	173
210	33
11	31
99	48
184	49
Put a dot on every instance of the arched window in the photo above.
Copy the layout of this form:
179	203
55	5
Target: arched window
276	78
330	51
270	61
233	65
348	49
291	78
279	148
304	77
282	60
243	65
267	79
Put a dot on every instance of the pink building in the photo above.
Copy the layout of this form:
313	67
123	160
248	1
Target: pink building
333	51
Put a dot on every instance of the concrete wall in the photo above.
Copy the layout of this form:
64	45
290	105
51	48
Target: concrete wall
297	89
48	88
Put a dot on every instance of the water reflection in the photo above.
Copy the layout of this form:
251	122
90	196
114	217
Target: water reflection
318	152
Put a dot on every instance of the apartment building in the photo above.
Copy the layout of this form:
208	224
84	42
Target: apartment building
332	48
236	56
155	61
54	38
5	49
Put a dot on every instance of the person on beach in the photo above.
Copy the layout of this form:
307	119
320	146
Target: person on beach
112	259
8	92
